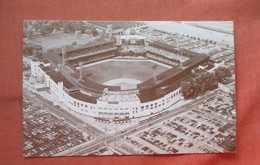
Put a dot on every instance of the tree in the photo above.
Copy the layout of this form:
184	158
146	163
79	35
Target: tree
32	50
46	29
37	51
186	89
222	73
209	80
56	25
202	88
94	31
204	82
72	26
77	26
27	51
195	87
198	79
83	29
27	33
68	28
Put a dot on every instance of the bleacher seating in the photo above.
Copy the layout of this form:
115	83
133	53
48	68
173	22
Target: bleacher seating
89	49
167	54
90	52
90	59
158	58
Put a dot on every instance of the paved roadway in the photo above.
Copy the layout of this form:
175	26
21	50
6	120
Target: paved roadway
106	140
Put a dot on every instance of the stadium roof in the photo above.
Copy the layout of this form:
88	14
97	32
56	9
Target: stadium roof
78	95
163	45
173	72
54	55
46	69
151	90
87	46
58	77
159	91
45	61
195	58
88	84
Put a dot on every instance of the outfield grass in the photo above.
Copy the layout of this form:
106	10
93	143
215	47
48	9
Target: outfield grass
139	70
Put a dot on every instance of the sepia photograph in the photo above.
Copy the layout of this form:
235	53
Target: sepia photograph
128	88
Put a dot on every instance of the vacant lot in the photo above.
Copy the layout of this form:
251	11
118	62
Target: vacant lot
58	39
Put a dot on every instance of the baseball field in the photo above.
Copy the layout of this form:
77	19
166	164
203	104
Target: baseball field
107	71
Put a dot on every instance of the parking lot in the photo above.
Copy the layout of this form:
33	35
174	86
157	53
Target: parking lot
46	134
192	131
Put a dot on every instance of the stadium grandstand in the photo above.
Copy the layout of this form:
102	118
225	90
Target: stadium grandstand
124	101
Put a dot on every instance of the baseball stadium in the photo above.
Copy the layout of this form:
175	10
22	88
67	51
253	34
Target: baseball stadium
118	79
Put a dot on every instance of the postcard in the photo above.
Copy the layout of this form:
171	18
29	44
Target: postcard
128	88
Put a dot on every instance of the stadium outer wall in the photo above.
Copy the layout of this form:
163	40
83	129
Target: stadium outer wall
103	109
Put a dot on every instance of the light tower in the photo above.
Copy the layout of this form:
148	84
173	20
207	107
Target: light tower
180	50
154	73
110	36
109	31
80	70
63	50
